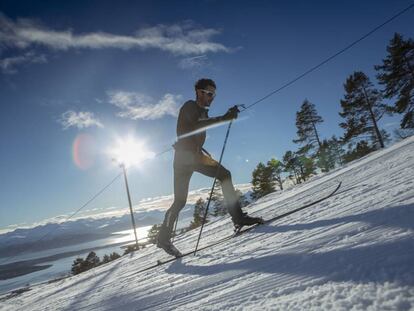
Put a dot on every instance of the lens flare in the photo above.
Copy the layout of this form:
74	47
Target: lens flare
83	151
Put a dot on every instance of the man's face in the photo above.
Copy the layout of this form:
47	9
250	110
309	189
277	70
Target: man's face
206	96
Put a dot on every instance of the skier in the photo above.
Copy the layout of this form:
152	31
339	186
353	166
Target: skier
190	156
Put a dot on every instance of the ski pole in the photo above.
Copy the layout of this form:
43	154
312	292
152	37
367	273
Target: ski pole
212	188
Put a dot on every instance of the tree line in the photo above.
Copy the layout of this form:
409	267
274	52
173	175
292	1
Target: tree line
91	261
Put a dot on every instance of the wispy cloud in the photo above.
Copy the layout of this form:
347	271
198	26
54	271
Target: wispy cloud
179	39
82	119
136	106
9	65
195	62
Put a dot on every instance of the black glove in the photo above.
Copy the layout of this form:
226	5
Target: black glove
231	114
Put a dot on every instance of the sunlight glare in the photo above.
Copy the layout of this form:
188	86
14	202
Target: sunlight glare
130	152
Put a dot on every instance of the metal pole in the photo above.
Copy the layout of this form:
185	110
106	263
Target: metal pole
130	204
212	188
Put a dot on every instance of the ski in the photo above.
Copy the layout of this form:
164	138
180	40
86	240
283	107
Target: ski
242	230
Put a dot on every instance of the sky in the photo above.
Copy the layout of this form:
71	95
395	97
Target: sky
78	76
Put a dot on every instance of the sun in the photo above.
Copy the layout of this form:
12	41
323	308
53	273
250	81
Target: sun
130	152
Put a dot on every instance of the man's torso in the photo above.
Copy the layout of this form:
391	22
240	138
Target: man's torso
190	114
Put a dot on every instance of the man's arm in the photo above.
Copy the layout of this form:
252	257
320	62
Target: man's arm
191	116
208	121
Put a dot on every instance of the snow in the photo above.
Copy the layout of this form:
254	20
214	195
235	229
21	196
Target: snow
353	251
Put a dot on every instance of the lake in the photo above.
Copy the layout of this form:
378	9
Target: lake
62	266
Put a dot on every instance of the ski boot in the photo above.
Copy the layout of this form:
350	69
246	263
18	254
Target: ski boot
246	220
164	242
170	249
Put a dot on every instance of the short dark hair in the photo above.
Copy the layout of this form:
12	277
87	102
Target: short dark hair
203	83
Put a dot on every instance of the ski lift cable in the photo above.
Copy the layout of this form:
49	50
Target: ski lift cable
310	70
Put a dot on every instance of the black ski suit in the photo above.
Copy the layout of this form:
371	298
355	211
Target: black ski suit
189	158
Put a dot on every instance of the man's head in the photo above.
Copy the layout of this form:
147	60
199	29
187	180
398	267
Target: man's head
205	92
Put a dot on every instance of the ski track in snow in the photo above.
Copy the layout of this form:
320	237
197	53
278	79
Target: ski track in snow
353	251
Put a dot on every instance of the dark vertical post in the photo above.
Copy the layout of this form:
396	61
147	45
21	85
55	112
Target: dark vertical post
130	204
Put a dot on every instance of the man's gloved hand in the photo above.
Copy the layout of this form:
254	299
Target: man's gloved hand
231	114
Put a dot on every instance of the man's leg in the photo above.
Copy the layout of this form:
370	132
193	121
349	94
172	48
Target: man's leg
182	178
210	167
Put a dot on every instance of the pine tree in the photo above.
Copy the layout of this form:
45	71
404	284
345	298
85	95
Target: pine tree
362	108
262	181
336	149
153	233
92	260
106	259
257	176
362	148
276	169
397	75
80	265
306	167
306	120
298	166
290	164
323	157
77	266
198	215
330	154
114	256
219	208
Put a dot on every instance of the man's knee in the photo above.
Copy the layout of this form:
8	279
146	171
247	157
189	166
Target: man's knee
224	174
175	209
178	204
172	213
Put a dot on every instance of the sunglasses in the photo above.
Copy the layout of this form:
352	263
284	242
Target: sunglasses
209	93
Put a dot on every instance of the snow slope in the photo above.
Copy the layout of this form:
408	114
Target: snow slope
352	251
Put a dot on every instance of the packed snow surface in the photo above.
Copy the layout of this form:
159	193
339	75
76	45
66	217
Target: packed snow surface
353	251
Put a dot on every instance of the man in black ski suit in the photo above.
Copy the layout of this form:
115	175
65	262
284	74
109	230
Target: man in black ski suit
190	157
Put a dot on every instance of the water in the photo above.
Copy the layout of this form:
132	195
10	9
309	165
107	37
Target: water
62	266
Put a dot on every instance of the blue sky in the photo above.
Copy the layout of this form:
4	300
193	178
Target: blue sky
91	71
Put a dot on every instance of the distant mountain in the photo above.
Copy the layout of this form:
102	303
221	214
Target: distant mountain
54	235
93	226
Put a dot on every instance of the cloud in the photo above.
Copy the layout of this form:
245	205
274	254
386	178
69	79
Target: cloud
179	39
82	119
195	62
8	65
135	105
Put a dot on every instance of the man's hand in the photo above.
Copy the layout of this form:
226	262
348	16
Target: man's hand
231	114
